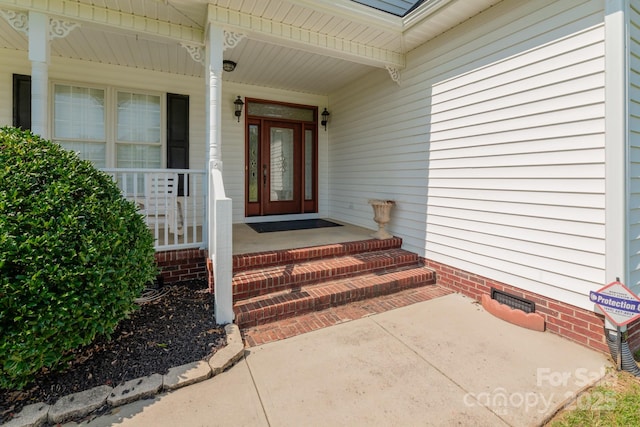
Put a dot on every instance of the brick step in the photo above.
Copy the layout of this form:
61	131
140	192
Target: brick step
268	308
313	321
252	283
243	262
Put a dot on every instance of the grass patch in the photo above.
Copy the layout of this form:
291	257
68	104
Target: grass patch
613	402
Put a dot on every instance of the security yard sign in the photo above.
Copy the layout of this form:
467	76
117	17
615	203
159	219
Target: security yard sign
617	302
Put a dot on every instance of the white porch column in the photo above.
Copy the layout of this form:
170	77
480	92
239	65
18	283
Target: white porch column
219	214
39	57
214	49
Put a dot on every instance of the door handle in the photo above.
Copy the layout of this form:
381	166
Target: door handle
264	174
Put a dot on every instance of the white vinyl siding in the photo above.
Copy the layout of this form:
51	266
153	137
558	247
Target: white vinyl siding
492	147
634	146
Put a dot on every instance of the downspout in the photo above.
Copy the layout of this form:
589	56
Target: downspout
626	361
616	168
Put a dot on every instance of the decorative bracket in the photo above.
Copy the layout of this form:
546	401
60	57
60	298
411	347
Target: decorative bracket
394	73
196	52
59	28
19	21
232	39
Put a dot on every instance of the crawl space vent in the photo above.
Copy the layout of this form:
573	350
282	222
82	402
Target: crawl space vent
513	301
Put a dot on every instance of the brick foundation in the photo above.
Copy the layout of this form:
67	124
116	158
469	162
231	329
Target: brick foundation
182	264
210	275
574	323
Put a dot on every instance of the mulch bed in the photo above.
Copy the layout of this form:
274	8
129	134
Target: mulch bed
177	328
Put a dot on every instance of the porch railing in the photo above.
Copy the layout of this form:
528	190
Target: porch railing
171	200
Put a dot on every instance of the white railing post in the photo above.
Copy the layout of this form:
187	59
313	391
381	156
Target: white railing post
220	248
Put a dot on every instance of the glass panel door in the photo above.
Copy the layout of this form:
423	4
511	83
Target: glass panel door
280	166
281	149
281	158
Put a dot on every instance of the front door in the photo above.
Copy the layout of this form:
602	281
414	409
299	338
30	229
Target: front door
281	146
281	159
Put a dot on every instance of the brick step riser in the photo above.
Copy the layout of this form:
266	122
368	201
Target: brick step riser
287	309
290	256
280	282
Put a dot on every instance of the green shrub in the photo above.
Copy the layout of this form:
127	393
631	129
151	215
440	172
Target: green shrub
74	254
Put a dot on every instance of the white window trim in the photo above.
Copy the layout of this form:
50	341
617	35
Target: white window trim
111	117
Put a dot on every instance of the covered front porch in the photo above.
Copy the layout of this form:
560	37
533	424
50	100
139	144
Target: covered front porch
145	90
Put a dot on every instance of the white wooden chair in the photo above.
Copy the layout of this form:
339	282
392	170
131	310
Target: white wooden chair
161	204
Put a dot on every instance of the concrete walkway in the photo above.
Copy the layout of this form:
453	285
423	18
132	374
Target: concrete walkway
441	362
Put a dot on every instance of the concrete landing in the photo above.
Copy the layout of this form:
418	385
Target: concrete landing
440	362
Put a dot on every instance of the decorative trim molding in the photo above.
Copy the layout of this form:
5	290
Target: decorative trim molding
19	21
196	51
394	73
59	28
231	39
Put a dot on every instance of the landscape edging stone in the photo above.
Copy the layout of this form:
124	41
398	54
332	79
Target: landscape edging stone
38	413
78	404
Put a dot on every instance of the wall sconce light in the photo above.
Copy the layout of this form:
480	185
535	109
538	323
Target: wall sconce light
239	104
228	66
325	118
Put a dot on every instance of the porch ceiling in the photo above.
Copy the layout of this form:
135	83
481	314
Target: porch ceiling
314	46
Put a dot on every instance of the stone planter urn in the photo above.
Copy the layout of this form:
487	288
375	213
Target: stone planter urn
381	215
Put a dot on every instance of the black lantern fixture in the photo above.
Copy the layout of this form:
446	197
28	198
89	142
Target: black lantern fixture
325	118
228	66
239	104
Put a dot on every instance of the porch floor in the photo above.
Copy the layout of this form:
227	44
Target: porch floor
246	240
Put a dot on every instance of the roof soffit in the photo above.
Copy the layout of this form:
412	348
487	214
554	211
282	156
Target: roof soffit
307	39
295	36
103	16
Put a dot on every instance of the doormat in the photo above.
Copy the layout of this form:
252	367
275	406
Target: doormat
300	224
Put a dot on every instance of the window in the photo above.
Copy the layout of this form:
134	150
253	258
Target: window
138	130
79	121
134	139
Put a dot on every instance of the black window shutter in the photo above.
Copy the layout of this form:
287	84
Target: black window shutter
22	101
178	135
